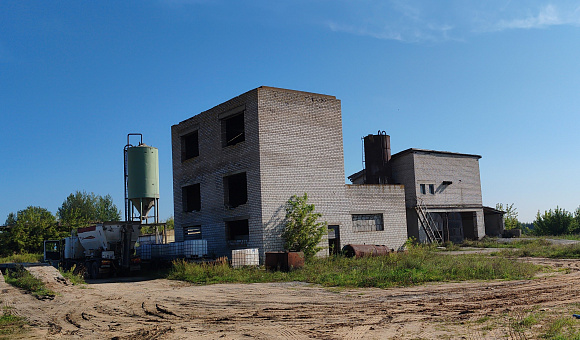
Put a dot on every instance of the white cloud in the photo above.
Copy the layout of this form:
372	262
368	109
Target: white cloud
428	21
548	15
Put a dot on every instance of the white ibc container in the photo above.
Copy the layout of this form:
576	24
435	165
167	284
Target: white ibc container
194	248
144	251
245	257
175	249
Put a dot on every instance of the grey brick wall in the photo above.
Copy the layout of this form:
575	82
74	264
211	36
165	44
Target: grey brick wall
300	152
388	200
414	167
435	168
213	163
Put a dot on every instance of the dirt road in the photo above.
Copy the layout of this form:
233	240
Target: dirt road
162	309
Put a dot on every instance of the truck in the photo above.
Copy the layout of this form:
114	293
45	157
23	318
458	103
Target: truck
101	249
110	248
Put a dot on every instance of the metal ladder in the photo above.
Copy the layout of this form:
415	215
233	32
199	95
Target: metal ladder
433	234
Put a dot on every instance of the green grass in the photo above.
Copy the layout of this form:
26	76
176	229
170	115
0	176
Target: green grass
21	278
22	258
73	275
562	328
489	242
10	324
541	249
417	266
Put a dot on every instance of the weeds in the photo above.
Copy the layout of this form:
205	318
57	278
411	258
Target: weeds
21	278
10	324
22	258
420	264
74	275
562	328
545	249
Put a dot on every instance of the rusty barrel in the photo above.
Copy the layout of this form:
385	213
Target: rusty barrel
284	260
360	250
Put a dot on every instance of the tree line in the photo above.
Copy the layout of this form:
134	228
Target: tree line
25	230
552	222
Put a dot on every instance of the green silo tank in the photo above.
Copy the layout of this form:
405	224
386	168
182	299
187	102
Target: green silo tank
143	177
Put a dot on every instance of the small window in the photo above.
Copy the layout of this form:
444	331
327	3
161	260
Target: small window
235	190
233	131
422	189
189	146
237	232
192	232
367	222
432	189
191	198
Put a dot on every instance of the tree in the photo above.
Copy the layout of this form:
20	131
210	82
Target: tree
510	217
170	223
30	228
302	230
81	208
10	220
554	222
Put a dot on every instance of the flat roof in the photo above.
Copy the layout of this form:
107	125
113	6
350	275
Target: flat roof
445	153
257	89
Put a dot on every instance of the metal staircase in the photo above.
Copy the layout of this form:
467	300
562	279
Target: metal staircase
433	234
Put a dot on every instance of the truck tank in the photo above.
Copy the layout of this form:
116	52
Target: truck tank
106	236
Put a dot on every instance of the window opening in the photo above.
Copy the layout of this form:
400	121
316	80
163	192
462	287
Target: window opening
191	198
192	232
235	190
189	146
233	131
422	189
432	189
237	232
367	222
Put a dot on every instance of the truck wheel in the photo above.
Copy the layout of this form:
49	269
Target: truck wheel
95	270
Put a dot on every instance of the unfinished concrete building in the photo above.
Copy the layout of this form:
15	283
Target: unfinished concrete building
236	165
442	189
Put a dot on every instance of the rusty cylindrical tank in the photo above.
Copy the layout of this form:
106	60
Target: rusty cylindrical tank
284	260
360	250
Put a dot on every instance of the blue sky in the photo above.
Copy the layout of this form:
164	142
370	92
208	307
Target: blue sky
496	78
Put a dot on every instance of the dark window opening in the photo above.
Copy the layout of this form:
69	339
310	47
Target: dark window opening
233	130
422	188
367	222
189	146
237	232
235	190
432	189
191	198
192	232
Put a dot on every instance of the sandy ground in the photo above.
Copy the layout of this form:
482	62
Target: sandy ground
162	309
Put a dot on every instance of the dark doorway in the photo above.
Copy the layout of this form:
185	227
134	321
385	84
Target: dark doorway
333	240
468	220
455	227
